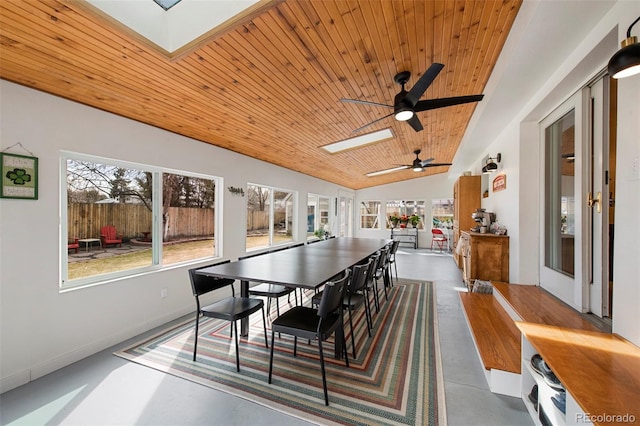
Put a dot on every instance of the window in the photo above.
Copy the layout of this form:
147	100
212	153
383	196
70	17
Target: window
369	215
442	213
270	216
317	214
156	217
402	208
560	199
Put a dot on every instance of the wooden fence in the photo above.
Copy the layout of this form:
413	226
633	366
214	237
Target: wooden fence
84	220
131	220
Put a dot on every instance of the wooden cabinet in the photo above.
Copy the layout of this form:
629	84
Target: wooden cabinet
466	199
485	257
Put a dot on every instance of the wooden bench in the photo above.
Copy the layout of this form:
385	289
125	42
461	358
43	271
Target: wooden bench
491	319
497	340
534	304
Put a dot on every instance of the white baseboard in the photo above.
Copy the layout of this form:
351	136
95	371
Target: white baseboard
42	369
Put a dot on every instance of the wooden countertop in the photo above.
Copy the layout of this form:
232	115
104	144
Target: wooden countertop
600	370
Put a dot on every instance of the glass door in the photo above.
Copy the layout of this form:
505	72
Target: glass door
575	200
346	216
561	214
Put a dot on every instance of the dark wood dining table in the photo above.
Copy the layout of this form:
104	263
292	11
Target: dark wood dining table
307	267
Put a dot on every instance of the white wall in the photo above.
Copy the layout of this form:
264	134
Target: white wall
42	329
518	141
424	188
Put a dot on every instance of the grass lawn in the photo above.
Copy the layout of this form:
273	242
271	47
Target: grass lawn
171	253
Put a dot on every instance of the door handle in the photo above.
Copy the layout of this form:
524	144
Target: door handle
591	201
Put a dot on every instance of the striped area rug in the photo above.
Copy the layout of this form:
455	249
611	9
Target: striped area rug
393	381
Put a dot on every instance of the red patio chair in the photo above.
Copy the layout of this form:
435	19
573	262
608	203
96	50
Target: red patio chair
438	238
74	245
108	235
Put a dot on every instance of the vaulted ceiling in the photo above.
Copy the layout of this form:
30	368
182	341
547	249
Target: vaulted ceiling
268	83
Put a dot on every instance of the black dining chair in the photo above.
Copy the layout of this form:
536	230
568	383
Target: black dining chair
230	308
355	297
392	257
317	324
370	287
381	271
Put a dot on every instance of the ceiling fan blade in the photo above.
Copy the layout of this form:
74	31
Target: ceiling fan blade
445	102
423	83
356	101
415	123
427	161
373	122
437	164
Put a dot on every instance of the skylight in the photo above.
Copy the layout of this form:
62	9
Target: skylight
167	4
182	24
358	141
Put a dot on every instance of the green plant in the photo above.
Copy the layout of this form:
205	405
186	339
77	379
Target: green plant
414	219
321	233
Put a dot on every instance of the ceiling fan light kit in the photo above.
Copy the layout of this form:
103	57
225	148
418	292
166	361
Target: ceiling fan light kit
626	61
404	114
407	103
418	165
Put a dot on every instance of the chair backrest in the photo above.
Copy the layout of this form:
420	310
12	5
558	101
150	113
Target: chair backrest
374	258
202	284
358	277
109	232
382	259
333	295
437	232
394	247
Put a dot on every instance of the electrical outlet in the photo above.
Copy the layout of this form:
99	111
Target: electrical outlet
163	293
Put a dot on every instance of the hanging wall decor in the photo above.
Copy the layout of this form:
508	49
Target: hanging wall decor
500	183
19	176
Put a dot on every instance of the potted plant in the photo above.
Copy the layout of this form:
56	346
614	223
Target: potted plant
414	219
394	218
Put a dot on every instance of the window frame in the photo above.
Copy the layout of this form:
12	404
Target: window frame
400	207
376	215
434	215
156	262
294	225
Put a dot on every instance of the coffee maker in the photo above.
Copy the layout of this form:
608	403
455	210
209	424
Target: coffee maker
483	219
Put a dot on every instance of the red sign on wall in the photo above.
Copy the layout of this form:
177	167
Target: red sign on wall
500	183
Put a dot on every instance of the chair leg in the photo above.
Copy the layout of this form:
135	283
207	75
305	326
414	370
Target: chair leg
367	313
195	340
374	289
264	324
344	348
235	329
353	339
273	336
295	345
395	265
324	375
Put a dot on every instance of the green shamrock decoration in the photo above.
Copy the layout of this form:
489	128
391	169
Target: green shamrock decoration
18	176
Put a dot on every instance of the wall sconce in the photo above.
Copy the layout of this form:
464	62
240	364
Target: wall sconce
626	61
491	164
236	191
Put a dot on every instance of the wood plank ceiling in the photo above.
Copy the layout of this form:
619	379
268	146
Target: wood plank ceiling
269	86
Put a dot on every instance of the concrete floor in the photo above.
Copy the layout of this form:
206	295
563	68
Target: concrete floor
106	390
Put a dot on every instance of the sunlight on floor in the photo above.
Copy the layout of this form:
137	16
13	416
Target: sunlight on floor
46	413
